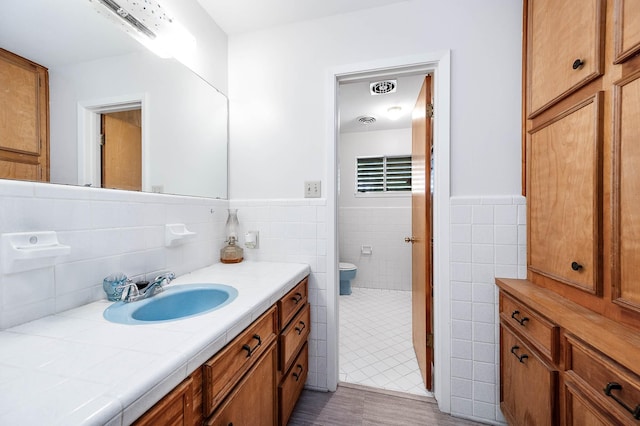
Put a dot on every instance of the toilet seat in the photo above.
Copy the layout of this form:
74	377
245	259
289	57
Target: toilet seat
344	266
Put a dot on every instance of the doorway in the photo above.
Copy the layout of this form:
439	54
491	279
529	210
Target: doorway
440	64
131	117
376	227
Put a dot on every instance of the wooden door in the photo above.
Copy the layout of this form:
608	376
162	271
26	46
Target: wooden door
122	150
528	385
575	29
564	196
24	119
421	228
626	284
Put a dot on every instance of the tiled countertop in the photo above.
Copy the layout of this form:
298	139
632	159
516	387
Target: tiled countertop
77	368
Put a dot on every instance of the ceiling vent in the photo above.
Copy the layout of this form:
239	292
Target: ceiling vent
383	87
365	119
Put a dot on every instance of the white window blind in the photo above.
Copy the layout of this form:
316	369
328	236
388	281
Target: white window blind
383	174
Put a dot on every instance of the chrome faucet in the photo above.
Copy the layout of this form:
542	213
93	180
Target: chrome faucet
152	289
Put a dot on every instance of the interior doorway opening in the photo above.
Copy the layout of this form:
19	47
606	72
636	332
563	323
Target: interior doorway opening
129	110
375	233
440	63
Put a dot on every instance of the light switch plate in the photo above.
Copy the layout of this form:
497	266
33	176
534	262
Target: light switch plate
312	189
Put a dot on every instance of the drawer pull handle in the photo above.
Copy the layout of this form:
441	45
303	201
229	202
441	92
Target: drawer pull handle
576	266
522	357
521	321
297	298
251	350
611	386
298	329
577	64
298	374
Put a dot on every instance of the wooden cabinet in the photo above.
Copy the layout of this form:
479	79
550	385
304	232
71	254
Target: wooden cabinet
581	298
580	133
295	326
253	401
626	282
256	379
626	32
528	392
590	375
565	49
24	119
564	196
179	407
223	371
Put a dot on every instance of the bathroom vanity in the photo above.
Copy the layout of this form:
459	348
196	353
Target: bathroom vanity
245	363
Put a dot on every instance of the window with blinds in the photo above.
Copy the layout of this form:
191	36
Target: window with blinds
383	174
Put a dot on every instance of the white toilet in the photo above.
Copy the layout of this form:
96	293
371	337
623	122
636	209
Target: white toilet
347	273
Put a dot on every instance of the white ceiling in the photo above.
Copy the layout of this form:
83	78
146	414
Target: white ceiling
240	16
355	100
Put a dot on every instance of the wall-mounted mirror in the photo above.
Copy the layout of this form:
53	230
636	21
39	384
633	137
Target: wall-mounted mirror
96	69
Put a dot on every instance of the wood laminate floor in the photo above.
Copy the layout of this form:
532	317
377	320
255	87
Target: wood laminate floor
357	406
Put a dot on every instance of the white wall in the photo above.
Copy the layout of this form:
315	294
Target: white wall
277	77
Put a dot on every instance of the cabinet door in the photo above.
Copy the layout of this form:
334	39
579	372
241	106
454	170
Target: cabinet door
24	119
564	49
627	31
564	190
253	401
528	385
580	412
626	282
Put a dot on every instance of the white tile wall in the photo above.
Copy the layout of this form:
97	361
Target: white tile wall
108	231
294	231
384	229
488	240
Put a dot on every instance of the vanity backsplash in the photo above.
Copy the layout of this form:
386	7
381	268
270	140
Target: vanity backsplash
108	231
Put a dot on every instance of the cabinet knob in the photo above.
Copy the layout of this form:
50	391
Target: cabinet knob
577	64
576	266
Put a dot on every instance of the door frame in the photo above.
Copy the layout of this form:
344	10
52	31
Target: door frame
89	113
439	63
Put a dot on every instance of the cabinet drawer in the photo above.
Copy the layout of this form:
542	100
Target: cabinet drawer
528	385
290	304
253	402
176	408
292	384
609	386
541	333
293	337
223	371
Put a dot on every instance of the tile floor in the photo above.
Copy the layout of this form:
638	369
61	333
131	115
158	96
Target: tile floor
375	341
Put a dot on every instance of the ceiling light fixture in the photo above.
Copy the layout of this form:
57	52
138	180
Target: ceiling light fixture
148	23
394	112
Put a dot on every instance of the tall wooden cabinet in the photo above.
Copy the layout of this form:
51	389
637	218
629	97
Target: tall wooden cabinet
571	330
24	119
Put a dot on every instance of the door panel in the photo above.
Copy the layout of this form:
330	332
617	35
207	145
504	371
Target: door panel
421	219
122	150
